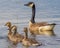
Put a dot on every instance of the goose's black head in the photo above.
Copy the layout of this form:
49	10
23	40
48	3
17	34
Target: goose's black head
30	4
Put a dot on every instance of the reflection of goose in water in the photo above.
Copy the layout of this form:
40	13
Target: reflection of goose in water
37	27
47	33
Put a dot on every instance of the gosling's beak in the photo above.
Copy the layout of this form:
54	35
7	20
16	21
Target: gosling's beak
8	29
5	25
26	4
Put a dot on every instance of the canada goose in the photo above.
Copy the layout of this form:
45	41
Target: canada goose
15	36
8	24
37	27
28	41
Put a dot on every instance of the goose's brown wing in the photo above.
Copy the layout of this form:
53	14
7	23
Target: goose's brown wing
41	24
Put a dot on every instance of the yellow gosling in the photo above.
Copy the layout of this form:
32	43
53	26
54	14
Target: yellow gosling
28	41
8	24
37	27
15	37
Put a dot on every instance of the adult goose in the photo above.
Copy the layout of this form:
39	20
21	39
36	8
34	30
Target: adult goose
37	27
28	41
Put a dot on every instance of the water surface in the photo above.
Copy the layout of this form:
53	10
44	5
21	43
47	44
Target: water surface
15	12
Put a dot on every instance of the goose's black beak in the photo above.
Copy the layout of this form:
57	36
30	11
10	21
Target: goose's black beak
26	5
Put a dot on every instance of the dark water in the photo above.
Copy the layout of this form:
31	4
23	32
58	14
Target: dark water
15	12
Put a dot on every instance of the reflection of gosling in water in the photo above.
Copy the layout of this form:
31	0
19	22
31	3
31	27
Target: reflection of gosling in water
29	42
15	37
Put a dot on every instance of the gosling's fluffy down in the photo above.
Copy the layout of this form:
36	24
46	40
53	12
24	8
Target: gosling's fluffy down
28	41
13	35
16	37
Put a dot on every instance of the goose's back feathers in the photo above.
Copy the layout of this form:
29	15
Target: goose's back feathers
40	24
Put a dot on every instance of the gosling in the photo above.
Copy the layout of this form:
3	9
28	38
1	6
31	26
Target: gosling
28	41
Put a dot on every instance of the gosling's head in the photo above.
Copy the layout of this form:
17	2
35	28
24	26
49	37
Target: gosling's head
8	24
25	29
30	4
14	28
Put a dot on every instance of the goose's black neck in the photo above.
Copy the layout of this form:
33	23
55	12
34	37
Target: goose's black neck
33	14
